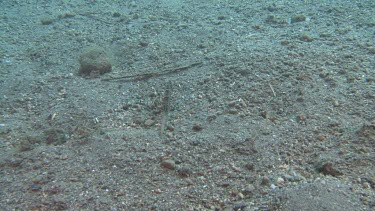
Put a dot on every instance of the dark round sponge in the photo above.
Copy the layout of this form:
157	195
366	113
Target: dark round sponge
94	62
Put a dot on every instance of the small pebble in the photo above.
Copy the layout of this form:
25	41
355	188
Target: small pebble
168	164
280	181
336	103
149	122
35	188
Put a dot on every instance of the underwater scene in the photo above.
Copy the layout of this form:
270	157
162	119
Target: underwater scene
222	105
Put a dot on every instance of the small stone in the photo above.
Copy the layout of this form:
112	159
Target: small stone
168	164
280	181
336	103
149	122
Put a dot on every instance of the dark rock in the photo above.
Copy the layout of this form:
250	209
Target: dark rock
168	164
